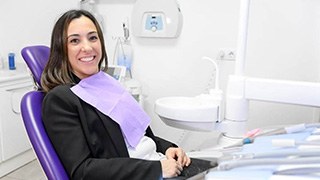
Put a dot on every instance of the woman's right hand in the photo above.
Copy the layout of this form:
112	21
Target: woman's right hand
170	168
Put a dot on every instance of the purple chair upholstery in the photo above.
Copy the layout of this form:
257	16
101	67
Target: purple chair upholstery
36	57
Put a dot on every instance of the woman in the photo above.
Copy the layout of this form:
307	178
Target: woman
98	130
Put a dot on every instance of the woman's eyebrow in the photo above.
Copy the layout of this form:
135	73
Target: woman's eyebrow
77	35
73	35
92	32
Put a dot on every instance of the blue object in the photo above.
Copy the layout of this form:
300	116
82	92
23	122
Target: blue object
125	55
125	60
12	65
247	141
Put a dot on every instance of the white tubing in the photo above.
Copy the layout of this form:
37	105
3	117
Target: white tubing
269	161
292	143
283	143
273	154
295	128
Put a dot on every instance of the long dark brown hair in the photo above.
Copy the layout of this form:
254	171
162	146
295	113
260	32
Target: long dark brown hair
58	69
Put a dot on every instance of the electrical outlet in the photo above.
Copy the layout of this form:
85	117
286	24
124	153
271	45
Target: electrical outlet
227	54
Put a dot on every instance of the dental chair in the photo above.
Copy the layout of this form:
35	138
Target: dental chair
36	58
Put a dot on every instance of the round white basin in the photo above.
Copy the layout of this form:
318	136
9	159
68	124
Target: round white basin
193	113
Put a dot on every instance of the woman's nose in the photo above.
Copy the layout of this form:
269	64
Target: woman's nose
86	46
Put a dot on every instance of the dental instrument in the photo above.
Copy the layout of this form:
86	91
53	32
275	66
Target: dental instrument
275	154
228	165
316	132
312	125
123	52
287	130
298	171
123	57
283	130
292	143
251	135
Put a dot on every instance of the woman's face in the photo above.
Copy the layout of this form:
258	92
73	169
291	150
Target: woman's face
84	47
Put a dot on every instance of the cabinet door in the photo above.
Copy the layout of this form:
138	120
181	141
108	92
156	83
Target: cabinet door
13	135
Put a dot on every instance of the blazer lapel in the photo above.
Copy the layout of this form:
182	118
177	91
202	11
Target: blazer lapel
115	133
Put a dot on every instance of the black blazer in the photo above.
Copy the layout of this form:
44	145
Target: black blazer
90	144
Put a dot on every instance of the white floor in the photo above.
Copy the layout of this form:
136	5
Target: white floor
31	171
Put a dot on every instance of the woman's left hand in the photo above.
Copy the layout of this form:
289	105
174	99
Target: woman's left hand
179	155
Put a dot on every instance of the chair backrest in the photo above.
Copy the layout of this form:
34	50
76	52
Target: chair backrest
31	104
36	58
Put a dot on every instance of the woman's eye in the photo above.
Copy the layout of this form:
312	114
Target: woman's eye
74	41
93	38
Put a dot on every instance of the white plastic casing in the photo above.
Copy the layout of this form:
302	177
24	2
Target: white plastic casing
156	18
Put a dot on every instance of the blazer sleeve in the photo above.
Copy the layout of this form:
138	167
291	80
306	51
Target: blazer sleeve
162	144
60	115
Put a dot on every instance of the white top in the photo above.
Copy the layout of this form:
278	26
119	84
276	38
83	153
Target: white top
146	149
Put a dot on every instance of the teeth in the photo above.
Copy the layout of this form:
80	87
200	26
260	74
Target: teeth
86	59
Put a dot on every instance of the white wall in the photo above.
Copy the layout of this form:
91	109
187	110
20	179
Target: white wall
24	23
283	43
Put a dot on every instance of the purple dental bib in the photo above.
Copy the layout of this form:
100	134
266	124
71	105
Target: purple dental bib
109	97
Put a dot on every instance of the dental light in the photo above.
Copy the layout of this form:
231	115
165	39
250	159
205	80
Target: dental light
194	113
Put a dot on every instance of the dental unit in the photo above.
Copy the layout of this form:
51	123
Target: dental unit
204	112
240	90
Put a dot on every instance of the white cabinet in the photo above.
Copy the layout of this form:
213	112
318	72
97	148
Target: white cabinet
15	149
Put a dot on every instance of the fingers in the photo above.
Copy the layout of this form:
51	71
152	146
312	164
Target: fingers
179	168
179	155
172	153
188	161
183	159
171	168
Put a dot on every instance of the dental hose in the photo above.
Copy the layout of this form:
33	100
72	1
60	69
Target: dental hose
276	154
293	143
283	130
252	159
228	165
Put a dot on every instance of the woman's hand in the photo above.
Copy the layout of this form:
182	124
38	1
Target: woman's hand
170	168
173	165
179	155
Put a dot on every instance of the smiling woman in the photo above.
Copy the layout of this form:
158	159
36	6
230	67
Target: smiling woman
97	128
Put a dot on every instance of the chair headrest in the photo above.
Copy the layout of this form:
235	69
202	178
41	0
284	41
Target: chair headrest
36	58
